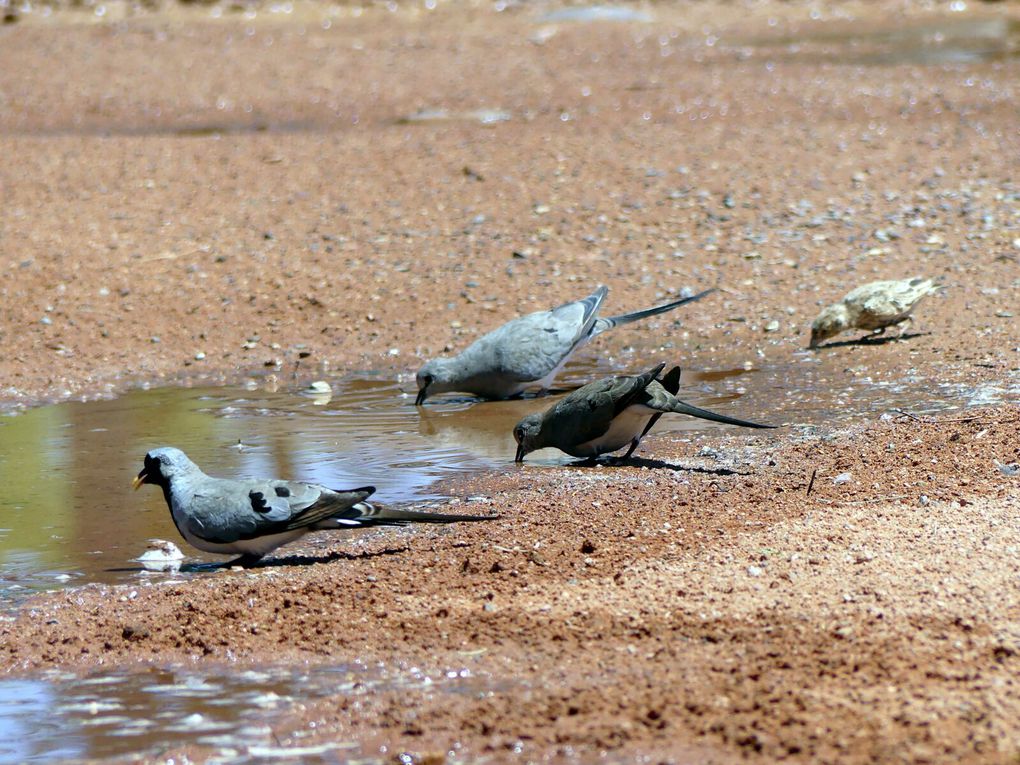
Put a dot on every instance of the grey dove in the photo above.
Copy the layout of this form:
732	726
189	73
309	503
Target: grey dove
608	414
251	517
872	307
529	351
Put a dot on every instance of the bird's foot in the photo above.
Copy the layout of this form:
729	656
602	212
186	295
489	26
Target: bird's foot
244	561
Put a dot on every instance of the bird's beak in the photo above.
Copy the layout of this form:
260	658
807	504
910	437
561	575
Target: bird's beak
138	481
423	393
519	457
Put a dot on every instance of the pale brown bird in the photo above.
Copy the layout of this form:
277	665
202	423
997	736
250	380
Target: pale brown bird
871	307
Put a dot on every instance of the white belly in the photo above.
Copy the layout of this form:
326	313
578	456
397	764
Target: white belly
258	546
626	426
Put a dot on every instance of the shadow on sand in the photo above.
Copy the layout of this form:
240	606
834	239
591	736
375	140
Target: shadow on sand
642	462
290	560
872	340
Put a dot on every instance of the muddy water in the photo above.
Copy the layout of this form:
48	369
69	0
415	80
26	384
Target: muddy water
68	514
63	718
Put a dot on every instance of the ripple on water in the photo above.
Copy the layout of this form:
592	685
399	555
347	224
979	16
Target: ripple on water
120	714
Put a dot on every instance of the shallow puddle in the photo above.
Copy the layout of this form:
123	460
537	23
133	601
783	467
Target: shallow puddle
68	514
62	718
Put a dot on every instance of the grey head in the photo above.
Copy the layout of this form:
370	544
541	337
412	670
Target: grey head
163	465
435	376
528	434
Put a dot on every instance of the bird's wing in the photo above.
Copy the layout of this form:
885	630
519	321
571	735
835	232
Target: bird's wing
631	390
310	503
531	347
588	412
891	302
224	511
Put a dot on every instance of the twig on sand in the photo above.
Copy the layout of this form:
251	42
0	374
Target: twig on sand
811	483
904	413
940	420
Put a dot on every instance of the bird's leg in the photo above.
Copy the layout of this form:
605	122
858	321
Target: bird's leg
903	325
633	445
244	561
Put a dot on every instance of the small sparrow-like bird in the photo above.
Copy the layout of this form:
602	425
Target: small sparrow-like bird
871	307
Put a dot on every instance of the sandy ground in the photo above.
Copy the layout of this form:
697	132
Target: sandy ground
187	197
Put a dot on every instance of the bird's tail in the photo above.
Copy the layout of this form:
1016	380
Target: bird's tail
671	381
608	322
682	407
379	515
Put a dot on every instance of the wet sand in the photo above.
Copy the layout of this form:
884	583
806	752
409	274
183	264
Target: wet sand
191	199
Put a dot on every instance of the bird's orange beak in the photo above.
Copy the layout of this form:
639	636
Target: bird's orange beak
138	481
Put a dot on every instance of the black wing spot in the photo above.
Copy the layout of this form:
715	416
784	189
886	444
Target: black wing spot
258	502
281	491
551	330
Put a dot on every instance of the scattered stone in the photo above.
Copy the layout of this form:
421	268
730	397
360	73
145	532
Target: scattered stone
133	632
161	555
842	478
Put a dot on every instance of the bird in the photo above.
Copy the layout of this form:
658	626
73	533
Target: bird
252	517
873	307
529	351
608	414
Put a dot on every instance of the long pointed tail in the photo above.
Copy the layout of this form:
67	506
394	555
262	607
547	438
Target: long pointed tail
682	407
608	322
377	515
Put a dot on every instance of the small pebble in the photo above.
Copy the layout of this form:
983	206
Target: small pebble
842	478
